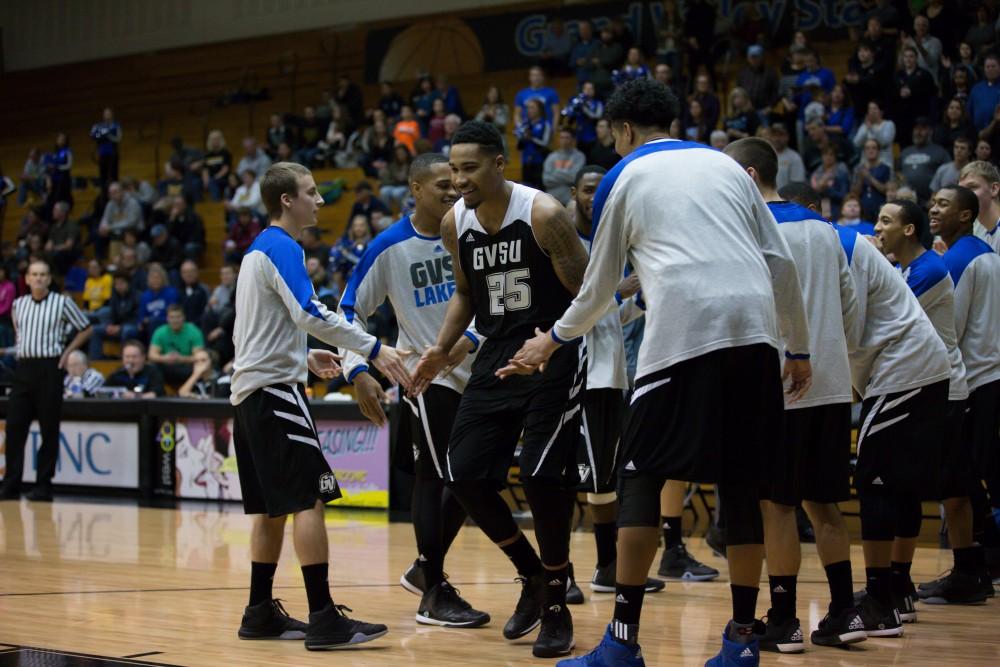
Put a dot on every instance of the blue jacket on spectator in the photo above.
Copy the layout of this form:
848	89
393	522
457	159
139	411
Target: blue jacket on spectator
107	136
983	100
153	306
533	140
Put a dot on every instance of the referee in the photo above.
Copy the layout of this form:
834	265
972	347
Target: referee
41	321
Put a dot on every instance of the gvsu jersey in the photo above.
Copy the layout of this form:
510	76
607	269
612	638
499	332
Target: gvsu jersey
514	287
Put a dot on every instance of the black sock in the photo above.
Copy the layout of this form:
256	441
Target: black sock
879	584
782	598
900	578
555	586
522	554
965	559
671	530
838	576
261	579
744	603
606	535
316	578
628	608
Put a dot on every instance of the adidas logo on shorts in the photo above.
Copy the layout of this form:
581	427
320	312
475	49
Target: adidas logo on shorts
877	482
747	653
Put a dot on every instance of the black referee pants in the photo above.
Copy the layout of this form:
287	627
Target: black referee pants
37	393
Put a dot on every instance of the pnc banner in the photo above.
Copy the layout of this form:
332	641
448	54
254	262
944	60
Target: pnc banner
90	454
196	459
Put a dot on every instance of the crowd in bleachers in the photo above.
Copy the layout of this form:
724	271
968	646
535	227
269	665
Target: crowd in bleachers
918	102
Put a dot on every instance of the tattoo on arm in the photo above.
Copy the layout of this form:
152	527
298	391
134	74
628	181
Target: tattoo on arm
557	236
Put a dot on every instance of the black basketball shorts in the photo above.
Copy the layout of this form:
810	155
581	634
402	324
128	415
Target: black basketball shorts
957	463
901	444
712	418
811	460
432	415
281	468
494	412
982	427
601	419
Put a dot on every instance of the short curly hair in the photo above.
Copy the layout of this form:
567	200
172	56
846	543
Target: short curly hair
485	135
643	103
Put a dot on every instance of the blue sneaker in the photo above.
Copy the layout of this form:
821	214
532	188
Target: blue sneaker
609	653
736	654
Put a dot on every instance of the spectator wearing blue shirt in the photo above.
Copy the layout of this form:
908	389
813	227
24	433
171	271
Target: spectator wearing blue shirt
581	58
449	93
58	167
831	180
985	95
155	300
634	68
839	114
556	47
533	137
814	76
850	217
871	179
423	102
347	252
107	134
536	89
584	111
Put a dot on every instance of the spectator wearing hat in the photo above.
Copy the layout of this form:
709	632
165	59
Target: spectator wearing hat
759	80
920	161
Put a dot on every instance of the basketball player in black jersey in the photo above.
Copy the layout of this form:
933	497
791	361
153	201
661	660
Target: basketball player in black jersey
518	264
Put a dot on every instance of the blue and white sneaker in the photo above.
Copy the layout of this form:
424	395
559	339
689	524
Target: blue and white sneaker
609	653
736	654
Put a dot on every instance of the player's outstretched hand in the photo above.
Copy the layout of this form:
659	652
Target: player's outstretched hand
370	398
533	356
800	372
432	362
390	362
323	364
459	352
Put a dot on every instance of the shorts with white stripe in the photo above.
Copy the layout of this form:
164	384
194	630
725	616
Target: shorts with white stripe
281	466
432	414
901	442
602	416
494	412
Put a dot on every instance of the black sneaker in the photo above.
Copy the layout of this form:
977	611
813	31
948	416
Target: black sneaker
716	541
933	583
906	607
10	491
528	612
956	588
329	628
413	579
677	563
442	605
879	621
556	635
785	637
42	493
573	593
269	620
847	627
603	580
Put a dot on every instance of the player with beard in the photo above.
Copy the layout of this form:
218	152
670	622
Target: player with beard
517	262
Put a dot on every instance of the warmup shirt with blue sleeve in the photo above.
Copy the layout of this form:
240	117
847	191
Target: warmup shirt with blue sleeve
831	305
991	236
416	274
276	307
606	347
975	270
898	348
928	279
715	271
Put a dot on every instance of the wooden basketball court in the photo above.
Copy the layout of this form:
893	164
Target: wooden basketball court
81	581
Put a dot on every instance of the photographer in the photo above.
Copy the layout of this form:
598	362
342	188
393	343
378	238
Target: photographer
583	112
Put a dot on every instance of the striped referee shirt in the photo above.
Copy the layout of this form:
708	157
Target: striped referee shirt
90	382
42	324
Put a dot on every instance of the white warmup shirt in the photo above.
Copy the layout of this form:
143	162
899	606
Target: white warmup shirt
606	347
831	305
928	278
898	348
415	273
276	307
992	236
712	263
975	270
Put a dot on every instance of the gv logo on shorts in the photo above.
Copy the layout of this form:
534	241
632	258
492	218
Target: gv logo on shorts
327	483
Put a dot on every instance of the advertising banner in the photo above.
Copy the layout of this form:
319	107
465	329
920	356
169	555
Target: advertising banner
90	454
197	460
